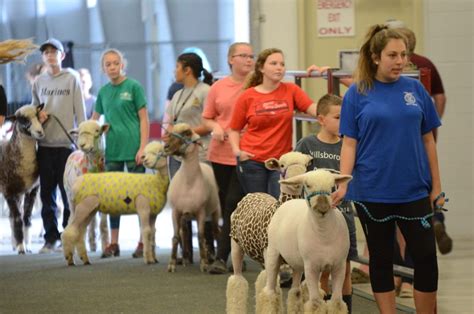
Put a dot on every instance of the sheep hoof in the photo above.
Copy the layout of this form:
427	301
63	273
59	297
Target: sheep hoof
171	268
87	263
22	252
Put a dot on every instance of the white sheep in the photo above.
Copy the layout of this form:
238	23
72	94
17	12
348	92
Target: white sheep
89	158
311	236
119	193
193	193
249	223
19	171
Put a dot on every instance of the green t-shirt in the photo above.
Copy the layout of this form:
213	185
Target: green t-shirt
120	105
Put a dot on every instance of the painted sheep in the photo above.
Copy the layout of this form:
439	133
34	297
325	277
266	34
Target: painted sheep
19	171
89	158
249	223
311	236
119	193
193	193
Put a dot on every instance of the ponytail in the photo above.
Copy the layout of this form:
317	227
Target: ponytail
207	77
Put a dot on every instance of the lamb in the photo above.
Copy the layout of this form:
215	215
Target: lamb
119	193
88	159
311	236
192	193
249	224
19	171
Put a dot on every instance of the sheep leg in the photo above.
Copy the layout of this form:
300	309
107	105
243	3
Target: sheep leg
28	203
295	295
185	233
71	234
152	236
201	219
104	231
16	222
143	209
175	241
269	300
81	244
315	304
336	304
237	255
92	234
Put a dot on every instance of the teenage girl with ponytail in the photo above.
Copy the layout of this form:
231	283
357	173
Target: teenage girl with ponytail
388	146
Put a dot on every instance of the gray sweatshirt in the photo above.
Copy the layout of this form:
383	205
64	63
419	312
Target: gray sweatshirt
62	97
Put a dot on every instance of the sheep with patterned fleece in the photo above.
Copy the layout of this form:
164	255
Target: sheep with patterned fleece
119	193
249	223
89	158
19	171
193	193
311	236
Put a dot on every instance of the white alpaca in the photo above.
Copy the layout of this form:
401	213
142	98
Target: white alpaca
249	223
192	193
119	193
311	236
89	158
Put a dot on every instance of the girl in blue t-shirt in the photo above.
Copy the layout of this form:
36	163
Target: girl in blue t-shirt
388	147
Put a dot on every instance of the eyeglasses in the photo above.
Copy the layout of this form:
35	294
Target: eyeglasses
245	56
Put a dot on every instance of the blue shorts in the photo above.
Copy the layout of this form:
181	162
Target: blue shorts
348	213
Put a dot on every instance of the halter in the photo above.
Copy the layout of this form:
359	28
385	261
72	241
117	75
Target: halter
312	194
186	142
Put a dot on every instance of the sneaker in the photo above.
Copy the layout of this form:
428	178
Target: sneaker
47	248
406	291
445	243
218	267
138	251
112	249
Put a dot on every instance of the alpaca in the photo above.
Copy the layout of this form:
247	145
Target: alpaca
19	171
89	158
311	236
119	193
249	224
193	193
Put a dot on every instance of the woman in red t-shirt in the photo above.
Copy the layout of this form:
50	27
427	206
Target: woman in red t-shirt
265	110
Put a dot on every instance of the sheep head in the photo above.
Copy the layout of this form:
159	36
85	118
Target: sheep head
290	165
89	136
180	139
318	185
154	156
27	122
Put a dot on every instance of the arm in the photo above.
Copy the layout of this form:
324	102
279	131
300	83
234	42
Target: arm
234	139
79	106
201	130
2	119
348	156
144	133
432	155
440	103
312	110
217	131
95	116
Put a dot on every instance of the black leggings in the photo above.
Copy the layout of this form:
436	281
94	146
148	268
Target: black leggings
381	238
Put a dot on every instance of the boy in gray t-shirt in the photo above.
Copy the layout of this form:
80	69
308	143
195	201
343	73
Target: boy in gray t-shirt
325	147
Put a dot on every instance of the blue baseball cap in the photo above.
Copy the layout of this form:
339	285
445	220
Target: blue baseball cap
53	43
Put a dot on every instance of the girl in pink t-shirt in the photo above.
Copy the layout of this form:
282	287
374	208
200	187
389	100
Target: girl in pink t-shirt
216	116
265	109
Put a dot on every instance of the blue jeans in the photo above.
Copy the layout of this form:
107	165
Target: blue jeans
120	166
254	177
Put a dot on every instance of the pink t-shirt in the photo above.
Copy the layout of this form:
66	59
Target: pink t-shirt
219	107
269	119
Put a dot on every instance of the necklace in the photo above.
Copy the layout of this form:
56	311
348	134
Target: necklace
183	103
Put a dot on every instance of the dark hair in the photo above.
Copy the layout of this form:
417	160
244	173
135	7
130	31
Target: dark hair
194	62
256	77
326	101
375	41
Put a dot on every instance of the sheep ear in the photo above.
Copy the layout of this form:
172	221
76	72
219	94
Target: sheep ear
39	107
342	178
294	180
11	118
272	164
309	158
104	128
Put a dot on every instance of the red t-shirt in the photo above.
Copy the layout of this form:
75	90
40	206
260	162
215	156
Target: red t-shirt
269	119
423	62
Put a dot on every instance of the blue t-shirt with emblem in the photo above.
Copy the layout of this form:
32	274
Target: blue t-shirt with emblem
391	164
120	105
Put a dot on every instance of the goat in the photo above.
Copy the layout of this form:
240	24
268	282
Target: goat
119	193
311	236
19	171
193	193
249	223
88	159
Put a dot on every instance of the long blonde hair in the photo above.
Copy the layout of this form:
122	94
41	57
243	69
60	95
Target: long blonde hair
375	41
256	77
